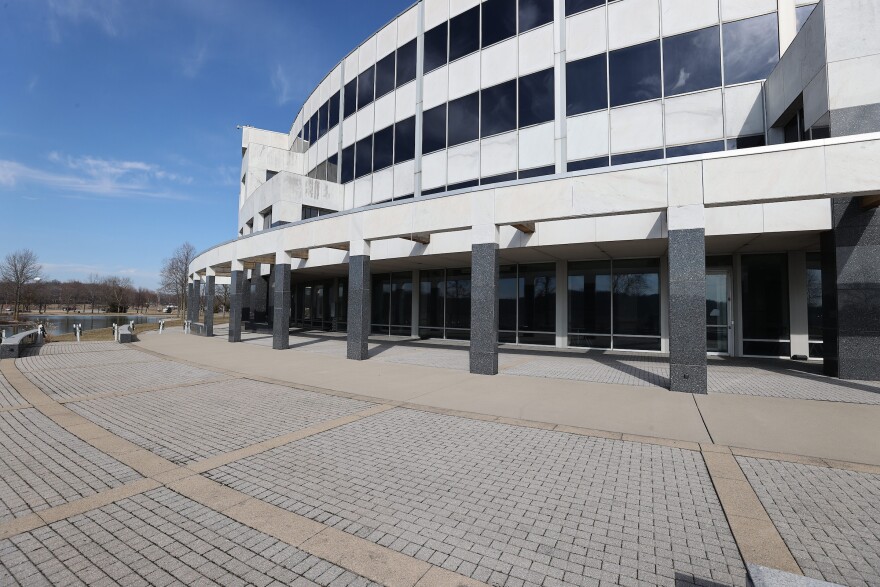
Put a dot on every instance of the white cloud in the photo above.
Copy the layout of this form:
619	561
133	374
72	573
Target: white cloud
282	85
103	13
192	64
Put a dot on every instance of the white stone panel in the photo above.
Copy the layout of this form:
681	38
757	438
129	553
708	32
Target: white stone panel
588	135
348	198
629	227
456	7
351	66
464	76
536	50
404	178
384	111
407	26
498	154
335	79
748	219
367	54
680	16
365	121
386	40
383	185
322	149
563	232
694	118
586	34
685	181
797	216
435	88
536	146
405	102
499	63
436	11
363	191
854	82
737	9
816	98
349	130
463	163
333	139
852	168
434	170
637	128
744	109
631	22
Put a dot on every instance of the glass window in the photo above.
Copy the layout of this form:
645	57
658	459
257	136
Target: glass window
321	171
322	119
333	168
458	301
586	85
498	178
635	73
814	303
400	312
436	51
695	149
537	172
534	13
575	6
508	293
765	297
406	63
350	99
471	183
636	307
464	33
537	298
637	157
498	108
536	103
432	302
385	75
405	140
692	61
583	164
589	304
307	137
751	48
363	155
380	301
313	125
383	148
334	110
347	164
499	21
366	86
434	129
464	119
802	13
745	142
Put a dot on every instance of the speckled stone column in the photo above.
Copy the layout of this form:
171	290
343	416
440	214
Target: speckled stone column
236	299
281	319
484	309
209	305
189	302
358	307
687	310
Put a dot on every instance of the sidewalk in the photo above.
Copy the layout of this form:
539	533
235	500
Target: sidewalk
826	430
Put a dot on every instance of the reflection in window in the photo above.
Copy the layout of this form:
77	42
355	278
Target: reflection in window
333	168
637	157
814	303
636	304
802	13
313	126
436	47
499	21
383	148
695	149
464	119
392	304
363	155
434	129
536	99
589	304
751	48
575	6
322	119
692	61
405	140
534	13
464	33
406	63
347	164
350	99
366	86
745	142
334	110
765	305
458	303
586	86
385	75
635	73
498	107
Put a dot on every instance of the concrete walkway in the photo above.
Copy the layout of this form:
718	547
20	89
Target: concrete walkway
822	429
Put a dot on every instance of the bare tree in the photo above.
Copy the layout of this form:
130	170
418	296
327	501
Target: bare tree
19	269
118	292
175	273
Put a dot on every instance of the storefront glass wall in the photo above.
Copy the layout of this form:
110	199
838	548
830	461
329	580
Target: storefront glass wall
765	319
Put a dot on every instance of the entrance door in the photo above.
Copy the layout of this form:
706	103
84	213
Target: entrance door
719	329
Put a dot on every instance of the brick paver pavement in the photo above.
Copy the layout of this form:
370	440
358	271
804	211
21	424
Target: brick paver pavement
160	538
44	465
192	423
504	504
66	348
9	397
829	518
77	360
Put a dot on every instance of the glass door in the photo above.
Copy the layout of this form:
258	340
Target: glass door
719	329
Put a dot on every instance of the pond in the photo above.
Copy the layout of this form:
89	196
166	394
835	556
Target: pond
62	324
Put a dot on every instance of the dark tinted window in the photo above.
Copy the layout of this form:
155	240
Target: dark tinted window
536	103
751	48
366	85
333	168
464	33
436	52
363	155
636	304
385	75
575	6
334	110
348	164
322	119
307	137
405	140
350	100
586	86
637	157
695	149
692	61
498	109
537	172
802	13
635	73
313	125
434	129
464	114
383	148
534	13
499	178
406	63
583	164
765	297
499	21
745	142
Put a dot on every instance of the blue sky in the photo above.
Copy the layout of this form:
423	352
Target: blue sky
117	117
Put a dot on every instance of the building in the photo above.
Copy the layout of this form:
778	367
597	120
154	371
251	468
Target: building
645	175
